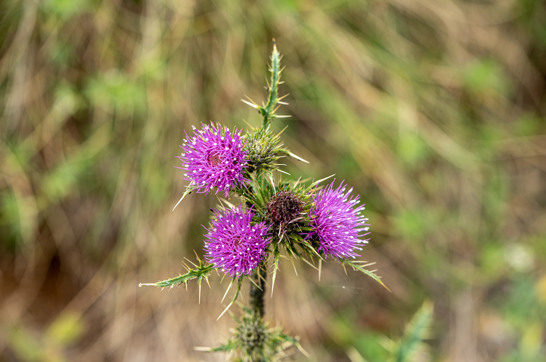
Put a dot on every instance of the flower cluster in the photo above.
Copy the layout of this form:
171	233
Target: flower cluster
327	220
214	158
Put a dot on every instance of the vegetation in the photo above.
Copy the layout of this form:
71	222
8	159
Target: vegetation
433	111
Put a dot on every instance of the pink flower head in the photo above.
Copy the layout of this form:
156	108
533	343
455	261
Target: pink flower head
234	244
337	221
213	157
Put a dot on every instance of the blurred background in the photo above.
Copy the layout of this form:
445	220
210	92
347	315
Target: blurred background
433	111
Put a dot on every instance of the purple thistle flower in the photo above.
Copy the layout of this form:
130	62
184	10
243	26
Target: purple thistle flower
213	157
337	222
233	244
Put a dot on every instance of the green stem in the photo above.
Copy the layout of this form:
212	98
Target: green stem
257	290
269	109
256	336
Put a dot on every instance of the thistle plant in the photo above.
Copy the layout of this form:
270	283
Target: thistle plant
273	218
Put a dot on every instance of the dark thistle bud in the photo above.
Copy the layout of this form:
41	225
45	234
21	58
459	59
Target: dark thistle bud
251	333
264	150
284	208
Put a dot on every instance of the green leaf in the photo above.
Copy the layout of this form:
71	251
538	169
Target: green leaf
65	9
485	76
25	345
18	219
361	268
115	90
416	331
229	346
200	272
65	329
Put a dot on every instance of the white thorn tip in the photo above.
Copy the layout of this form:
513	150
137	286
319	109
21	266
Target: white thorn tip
179	201
250	104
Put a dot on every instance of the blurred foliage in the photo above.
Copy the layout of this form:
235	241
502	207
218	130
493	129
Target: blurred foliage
434	111
63	331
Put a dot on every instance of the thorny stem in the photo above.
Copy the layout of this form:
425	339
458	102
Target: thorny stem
257	307
257	290
269	109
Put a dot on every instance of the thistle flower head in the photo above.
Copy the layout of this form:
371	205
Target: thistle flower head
214	157
284	207
337	222
234	244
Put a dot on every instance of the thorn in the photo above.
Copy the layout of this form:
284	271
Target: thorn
272	183
192	263
227	290
297	157
225	310
250	104
202	349
324	179
273	281
294	266
146	285
179	201
282	131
